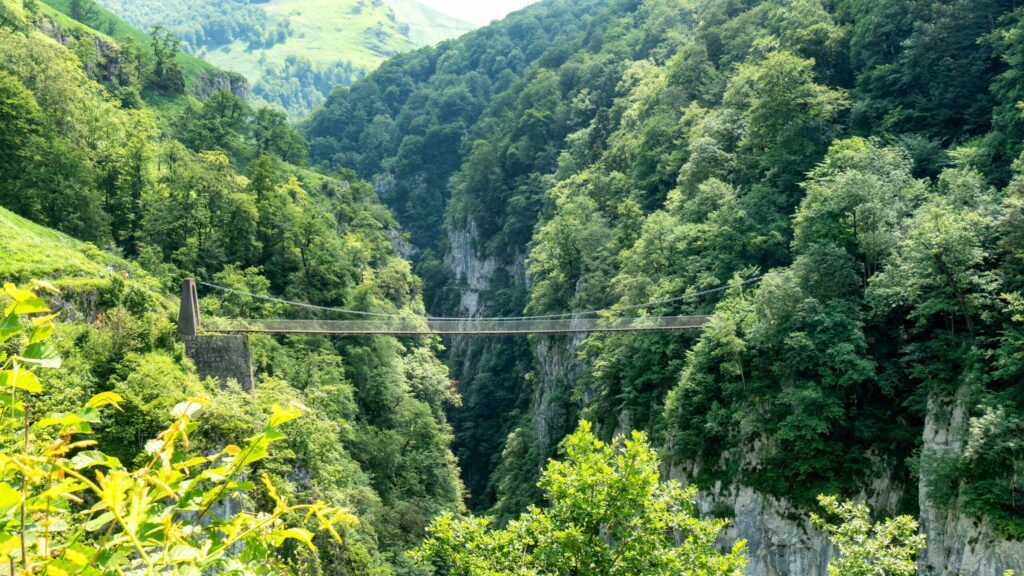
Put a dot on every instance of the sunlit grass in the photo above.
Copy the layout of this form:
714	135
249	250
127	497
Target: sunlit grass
31	251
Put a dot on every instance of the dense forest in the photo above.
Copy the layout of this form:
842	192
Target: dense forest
859	158
838	185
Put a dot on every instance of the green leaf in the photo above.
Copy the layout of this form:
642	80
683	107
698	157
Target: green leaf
271	435
254	452
300	534
55	524
184	553
105	399
9	327
90	458
99	522
79	554
41	354
279	415
9	545
279	503
60	419
33	306
188	408
16	293
40	333
89	415
9	497
40	320
22	379
60	567
10	401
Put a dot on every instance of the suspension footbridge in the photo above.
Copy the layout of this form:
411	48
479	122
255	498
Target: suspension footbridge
464	327
378	324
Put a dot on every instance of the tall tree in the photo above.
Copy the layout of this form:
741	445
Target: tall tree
167	75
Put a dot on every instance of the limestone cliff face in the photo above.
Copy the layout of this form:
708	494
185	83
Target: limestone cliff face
104	62
471	273
780	539
474	274
957	545
776	543
553	409
781	543
210	82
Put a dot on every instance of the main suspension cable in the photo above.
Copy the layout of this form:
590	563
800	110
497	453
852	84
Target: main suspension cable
294	303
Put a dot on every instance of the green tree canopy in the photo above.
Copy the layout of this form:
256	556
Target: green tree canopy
608	513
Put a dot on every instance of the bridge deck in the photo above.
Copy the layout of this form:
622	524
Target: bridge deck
454	327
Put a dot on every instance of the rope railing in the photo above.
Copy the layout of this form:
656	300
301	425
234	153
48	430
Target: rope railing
564	315
406	324
419	326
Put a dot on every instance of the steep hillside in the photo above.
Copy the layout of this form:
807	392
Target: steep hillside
114	205
96	22
862	156
34	251
294	51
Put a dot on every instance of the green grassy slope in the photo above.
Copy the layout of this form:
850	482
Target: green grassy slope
325	31
104	21
31	251
426	25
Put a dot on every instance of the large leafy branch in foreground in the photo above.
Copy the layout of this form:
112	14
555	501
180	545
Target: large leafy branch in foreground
67	508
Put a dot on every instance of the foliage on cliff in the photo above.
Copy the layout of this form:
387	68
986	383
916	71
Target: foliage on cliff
860	154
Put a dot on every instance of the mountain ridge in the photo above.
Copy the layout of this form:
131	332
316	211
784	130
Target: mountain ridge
294	51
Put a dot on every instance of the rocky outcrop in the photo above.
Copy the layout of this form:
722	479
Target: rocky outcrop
553	407
957	545
780	542
779	538
102	60
777	545
50	28
472	274
210	82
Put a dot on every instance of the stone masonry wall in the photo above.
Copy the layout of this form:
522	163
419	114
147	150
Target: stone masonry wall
221	357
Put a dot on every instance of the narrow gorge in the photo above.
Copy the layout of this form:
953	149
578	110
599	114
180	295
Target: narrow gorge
595	155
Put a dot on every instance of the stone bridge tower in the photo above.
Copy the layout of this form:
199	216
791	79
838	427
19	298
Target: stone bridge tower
224	357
